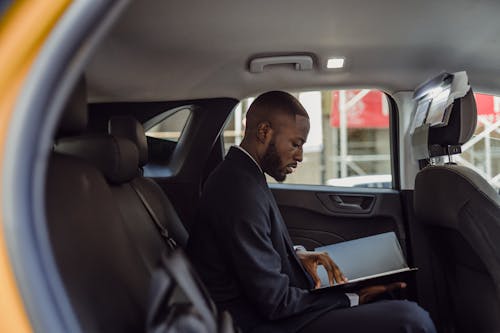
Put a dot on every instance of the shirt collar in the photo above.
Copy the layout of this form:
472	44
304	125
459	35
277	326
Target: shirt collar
251	157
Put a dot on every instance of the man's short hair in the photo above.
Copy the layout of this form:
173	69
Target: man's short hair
277	101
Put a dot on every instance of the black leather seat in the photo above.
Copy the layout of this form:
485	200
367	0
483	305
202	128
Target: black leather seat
104	240
102	273
461	215
129	128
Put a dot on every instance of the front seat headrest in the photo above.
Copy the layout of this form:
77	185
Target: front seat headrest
128	127
445	116
461	124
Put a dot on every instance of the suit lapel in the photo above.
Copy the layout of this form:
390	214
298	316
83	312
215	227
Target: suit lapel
246	163
286	236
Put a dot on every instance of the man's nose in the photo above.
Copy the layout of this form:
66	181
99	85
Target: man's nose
299	155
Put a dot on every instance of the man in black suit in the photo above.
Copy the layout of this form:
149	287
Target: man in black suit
241	248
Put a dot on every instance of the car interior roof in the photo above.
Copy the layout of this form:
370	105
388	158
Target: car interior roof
172	50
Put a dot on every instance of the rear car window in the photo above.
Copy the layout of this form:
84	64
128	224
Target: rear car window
162	133
171	126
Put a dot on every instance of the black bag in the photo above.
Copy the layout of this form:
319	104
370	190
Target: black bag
179	303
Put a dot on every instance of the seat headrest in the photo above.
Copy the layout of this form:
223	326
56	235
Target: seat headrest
461	124
445	117
74	118
116	158
129	128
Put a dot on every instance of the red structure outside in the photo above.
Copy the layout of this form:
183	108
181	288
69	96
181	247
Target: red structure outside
369	111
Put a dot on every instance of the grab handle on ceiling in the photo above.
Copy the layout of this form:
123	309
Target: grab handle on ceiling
301	63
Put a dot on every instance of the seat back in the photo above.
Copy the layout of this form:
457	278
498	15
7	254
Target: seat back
101	272
161	207
104	242
460	212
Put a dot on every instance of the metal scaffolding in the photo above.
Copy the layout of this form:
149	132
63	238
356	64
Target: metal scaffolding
490	126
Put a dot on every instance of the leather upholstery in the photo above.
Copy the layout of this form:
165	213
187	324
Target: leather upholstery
128	127
103	274
103	239
163	209
455	198
116	158
444	191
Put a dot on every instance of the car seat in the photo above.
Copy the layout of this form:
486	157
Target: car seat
460	212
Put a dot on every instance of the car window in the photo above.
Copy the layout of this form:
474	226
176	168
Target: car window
349	140
482	152
169	125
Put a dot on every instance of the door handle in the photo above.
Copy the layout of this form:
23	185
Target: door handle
338	200
347	203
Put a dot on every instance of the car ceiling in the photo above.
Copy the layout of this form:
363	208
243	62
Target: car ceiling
186	49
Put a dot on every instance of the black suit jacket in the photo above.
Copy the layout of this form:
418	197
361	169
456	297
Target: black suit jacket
241	248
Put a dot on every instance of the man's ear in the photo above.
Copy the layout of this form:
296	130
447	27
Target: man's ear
264	132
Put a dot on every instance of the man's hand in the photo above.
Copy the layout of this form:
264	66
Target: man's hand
367	294
311	260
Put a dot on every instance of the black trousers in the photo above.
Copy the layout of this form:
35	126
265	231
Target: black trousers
383	316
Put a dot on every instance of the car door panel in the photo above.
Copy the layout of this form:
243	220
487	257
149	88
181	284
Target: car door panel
322	215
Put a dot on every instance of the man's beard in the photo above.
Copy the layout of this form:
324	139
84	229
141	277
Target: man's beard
271	163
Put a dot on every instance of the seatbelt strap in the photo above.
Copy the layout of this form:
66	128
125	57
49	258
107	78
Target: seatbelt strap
163	231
